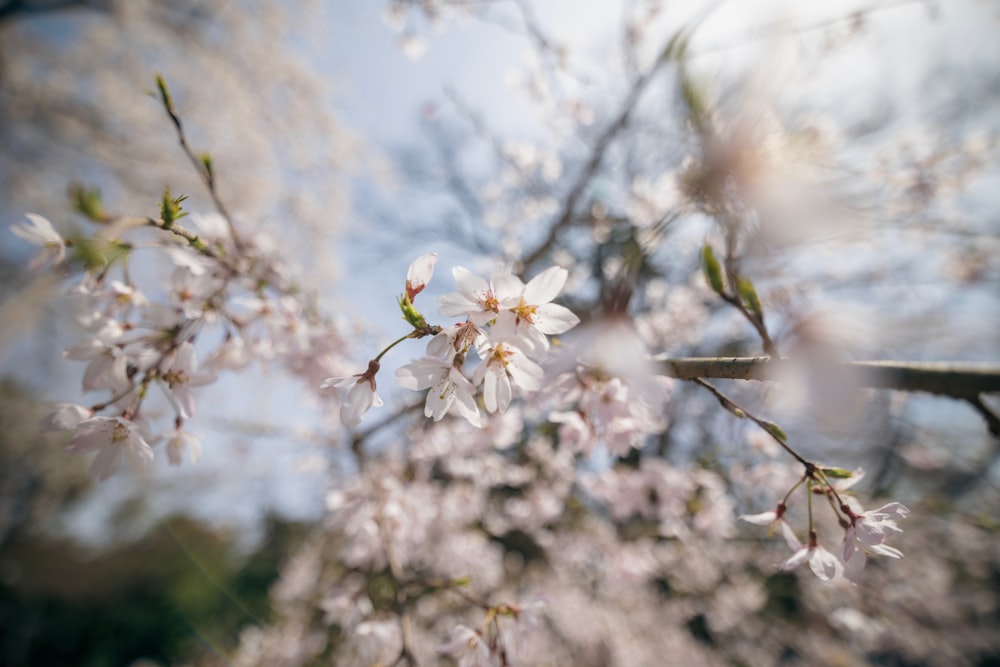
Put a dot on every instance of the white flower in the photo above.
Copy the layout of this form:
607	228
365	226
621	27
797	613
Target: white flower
182	375
476	298
65	417
127	296
467	647
526	311
360	397
771	519
456	339
574	431
40	232
108	365
419	274
193	292
867	533
824	564
178	441
501	364
449	389
114	438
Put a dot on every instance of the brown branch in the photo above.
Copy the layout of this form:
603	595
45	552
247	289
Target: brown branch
957	380
604	141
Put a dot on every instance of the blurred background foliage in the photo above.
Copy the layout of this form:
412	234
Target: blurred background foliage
179	588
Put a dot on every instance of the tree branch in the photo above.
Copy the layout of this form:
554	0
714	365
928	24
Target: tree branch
957	380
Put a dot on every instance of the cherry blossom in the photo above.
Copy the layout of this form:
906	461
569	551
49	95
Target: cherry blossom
108	363
501	364
419	274
182	375
526	311
40	232
114	438
180	440
824	564
467	648
476	299
456	340
65	417
449	389
361	395
866	533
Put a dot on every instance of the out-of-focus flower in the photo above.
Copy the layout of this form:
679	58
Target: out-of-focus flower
108	364
65	417
467	647
182	376
179	440
39	231
113	438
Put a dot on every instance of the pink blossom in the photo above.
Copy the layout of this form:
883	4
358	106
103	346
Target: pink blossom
456	339
467	647
65	417
419	274
526	311
361	395
40	232
501	364
824	564
475	298
108	364
179	440
867	532
448	388
113	438
182	375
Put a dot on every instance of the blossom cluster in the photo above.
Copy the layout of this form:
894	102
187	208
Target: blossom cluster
865	532
506	326
226	300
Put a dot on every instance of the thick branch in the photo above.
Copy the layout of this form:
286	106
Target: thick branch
964	381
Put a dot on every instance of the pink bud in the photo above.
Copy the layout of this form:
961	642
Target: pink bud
419	274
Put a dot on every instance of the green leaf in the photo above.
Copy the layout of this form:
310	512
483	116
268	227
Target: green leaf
87	202
838	473
694	98
749	296
713	271
165	97
170	208
774	430
206	161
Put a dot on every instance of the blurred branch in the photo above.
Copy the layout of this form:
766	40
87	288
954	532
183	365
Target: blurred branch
961	381
964	381
12	9
604	141
853	21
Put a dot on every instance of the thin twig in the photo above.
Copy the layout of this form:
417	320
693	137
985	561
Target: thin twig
202	166
770	427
